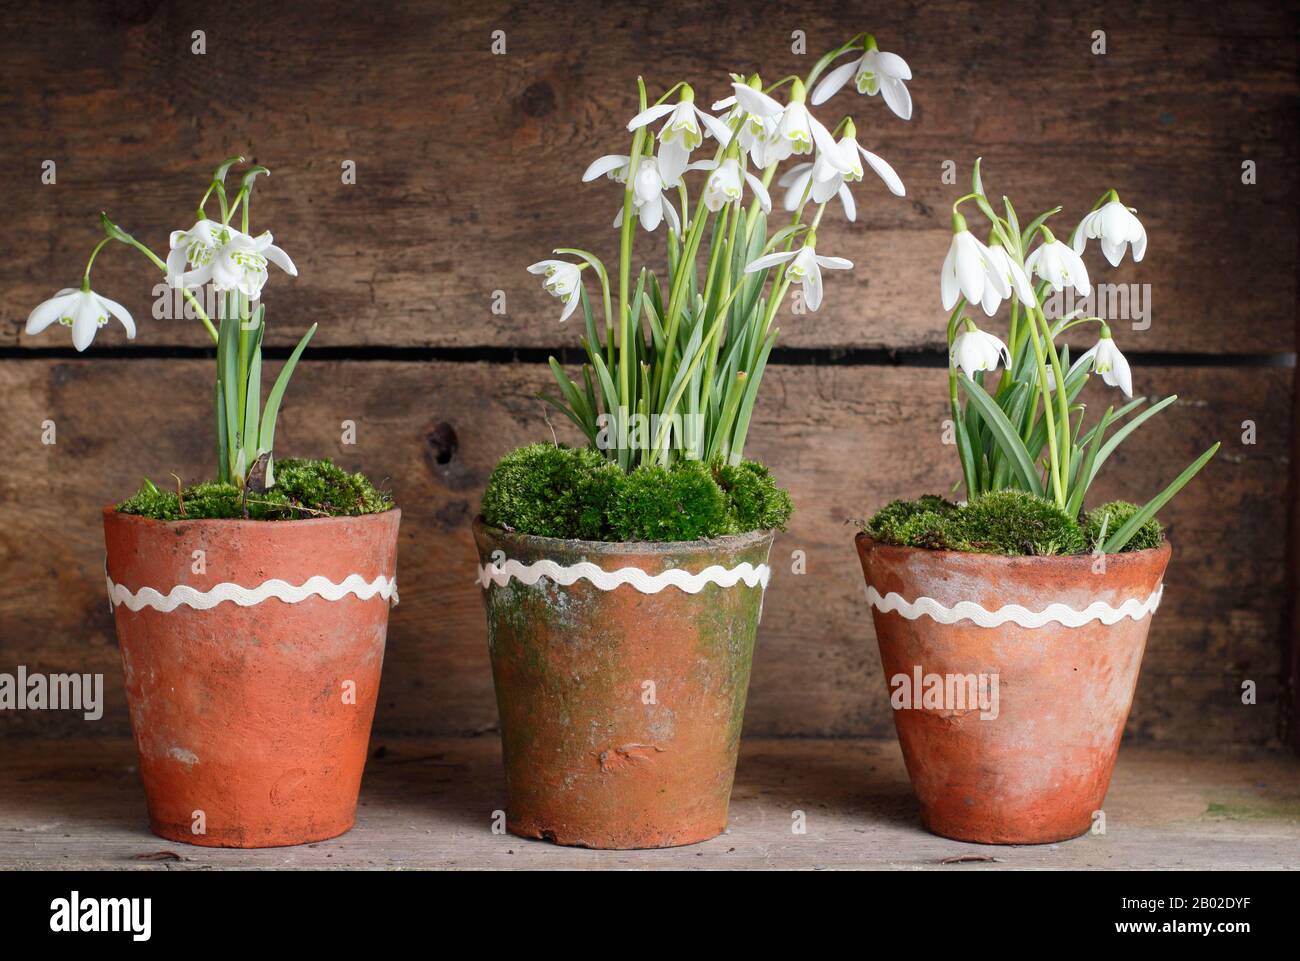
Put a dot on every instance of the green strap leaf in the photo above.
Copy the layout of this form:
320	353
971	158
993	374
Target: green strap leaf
1125	533
266	442
1004	435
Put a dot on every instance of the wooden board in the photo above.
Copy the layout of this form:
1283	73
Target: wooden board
428	804
845	439
468	164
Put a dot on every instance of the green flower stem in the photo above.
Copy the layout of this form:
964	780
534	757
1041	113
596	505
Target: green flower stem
1062	401
85	277
1055	467
198	308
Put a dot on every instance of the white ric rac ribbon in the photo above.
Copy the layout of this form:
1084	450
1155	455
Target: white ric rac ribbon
318	586
746	573
1014	613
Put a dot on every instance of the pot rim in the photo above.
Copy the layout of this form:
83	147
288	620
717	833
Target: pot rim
112	511
865	542
727	541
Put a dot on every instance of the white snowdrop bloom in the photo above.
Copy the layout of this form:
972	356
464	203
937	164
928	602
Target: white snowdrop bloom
83	310
1116	227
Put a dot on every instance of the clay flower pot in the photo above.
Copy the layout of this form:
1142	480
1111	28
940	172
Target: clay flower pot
621	672
1057	641
252	652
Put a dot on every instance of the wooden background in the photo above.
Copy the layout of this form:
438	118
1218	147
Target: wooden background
467	170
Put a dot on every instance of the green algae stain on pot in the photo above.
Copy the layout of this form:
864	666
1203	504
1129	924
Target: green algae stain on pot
620	710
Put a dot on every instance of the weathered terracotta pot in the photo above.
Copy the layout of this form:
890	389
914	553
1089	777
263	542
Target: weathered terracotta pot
620	710
1036	766
251	722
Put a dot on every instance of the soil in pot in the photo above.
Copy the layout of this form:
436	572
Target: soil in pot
251	722
1037	770
620	708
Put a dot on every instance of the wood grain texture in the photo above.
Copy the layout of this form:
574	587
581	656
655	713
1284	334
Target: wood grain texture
844	439
468	164
428	804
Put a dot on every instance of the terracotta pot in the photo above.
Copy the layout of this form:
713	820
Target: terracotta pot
251	722
1033	766
620	710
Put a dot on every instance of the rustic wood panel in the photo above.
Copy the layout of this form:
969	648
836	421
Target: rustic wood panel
845	439
468	163
428	805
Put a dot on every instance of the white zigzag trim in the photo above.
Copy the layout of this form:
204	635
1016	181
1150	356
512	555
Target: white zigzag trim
500	575
318	586
969	610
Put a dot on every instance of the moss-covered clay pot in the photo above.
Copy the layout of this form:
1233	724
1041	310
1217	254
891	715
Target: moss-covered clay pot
620	710
1035	767
251	722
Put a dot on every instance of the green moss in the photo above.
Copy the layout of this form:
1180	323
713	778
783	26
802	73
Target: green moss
549	491
1001	522
754	502
1016	522
659	504
918	523
565	492
1114	516
303	488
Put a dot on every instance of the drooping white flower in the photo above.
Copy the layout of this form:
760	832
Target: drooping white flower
648	198
81	309
974	350
612	165
1057	264
562	280
229	258
759	116
968	271
1006	267
685	129
1116	227
805	268
1110	363
796	181
836	166
876	71
725	184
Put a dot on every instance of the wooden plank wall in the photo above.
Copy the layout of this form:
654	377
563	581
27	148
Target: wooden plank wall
467	168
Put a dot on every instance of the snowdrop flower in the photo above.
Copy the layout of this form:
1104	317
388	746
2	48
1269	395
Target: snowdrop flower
876	72
797	178
968	271
1057	264
612	165
725	184
681	133
974	350
562	280
844	163
761	118
1110	363
1116	227
797	130
805	268
229	258
652	206
1006	267
83	310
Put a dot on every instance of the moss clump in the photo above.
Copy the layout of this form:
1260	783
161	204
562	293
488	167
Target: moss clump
552	491
661	504
1016	522
754	502
303	488
1005	522
919	523
1114	516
